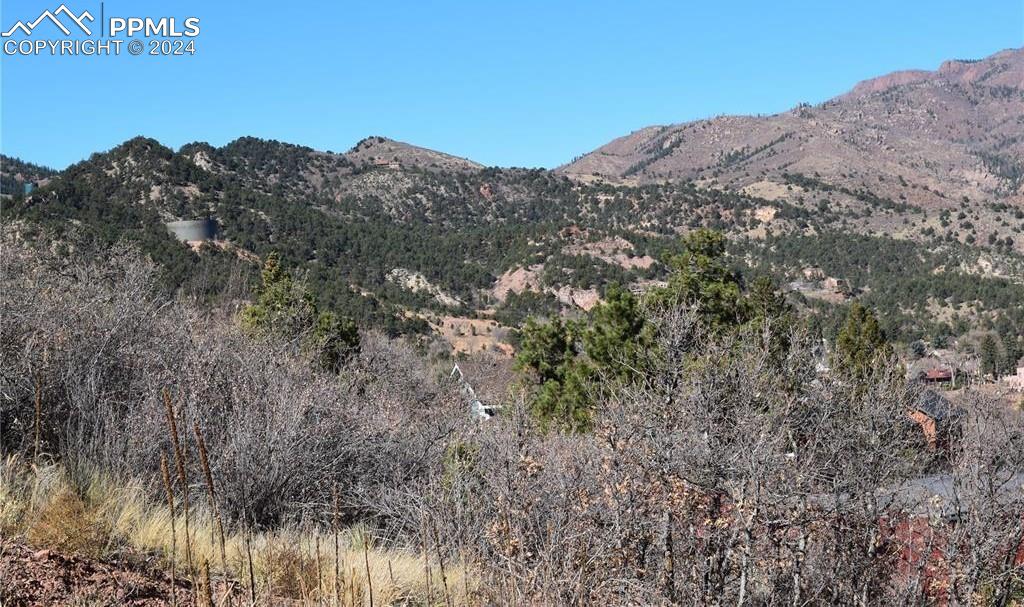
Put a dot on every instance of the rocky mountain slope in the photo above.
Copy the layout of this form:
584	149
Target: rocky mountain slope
928	139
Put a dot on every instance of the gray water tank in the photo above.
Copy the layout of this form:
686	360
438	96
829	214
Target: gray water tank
193	229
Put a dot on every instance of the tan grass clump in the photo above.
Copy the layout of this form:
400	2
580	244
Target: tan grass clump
48	510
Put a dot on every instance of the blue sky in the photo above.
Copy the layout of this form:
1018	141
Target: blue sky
523	83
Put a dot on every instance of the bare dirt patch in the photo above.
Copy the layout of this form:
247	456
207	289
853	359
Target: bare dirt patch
615	251
473	335
46	577
517	281
768	190
581	298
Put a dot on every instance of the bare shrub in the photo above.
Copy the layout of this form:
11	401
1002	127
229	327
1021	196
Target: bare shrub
102	345
726	477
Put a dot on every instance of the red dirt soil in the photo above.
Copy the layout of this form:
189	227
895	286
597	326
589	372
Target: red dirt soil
30	577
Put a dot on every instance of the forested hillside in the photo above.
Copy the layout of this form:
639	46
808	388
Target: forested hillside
398	244
402	237
679	447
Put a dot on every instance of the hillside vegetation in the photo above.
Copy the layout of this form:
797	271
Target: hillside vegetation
703	455
354	230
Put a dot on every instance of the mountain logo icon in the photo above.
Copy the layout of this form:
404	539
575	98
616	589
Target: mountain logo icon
78	20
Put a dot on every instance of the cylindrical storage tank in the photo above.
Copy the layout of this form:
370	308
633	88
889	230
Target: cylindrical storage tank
191	230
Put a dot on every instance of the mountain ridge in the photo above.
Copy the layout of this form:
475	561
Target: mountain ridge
930	135
853	202
1009	73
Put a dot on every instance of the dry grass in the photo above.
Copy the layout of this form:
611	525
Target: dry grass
46	507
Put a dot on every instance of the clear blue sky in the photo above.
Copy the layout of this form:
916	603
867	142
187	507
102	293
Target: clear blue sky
523	83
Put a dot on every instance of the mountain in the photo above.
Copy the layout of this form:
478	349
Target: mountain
396	244
16	174
381	151
399	244
904	193
928	139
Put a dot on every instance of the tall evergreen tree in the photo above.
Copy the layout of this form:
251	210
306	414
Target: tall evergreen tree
285	309
617	335
771	318
701	277
988	350
861	346
545	348
572	362
548	354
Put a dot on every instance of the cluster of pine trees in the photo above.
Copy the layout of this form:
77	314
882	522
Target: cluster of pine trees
572	364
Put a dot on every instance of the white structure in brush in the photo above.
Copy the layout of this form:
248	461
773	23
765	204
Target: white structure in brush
1017	381
476	407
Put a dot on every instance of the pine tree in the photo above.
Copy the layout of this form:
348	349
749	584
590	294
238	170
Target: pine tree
771	319
618	334
861	346
544	349
572	363
548	354
1014	353
285	309
701	277
989	352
